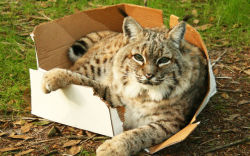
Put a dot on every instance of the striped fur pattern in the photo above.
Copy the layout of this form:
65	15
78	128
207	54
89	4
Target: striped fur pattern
154	73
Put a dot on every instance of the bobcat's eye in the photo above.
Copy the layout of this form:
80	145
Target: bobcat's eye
138	58
163	61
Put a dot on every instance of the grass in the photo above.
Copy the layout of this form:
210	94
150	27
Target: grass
229	19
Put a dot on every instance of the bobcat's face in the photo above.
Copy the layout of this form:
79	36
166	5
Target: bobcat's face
150	61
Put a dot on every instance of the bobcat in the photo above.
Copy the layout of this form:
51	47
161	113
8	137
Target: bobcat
153	72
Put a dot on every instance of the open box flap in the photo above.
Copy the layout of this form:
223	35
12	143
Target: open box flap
192	36
53	39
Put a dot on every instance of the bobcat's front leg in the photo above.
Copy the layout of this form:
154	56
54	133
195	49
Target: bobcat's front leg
131	142
60	78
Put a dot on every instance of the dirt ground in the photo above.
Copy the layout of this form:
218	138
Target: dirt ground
224	121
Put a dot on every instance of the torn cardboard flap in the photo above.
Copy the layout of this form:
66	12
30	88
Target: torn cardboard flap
76	105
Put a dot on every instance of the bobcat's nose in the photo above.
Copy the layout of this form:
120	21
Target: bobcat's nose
149	76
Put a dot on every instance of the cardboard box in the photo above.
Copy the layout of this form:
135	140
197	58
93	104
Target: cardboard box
76	105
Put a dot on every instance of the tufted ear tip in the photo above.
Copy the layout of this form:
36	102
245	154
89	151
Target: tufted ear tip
131	28
177	33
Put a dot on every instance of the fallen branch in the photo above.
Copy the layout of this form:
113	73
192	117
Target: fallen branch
228	145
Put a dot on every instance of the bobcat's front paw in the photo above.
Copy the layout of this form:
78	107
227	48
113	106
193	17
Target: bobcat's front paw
111	148
54	79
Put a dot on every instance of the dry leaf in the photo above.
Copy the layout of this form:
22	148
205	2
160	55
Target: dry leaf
24	137
194	13
216	71
42	123
80	132
26	128
71	143
204	27
24	152
71	129
54	131
247	71
74	150
242	102
211	19
9	149
196	21
225	95
3	134
55	146
20	122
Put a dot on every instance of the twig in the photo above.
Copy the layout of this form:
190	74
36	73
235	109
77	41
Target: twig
218	59
228	90
75	137
229	68
228	145
46	17
224	77
43	141
208	141
30	118
88	139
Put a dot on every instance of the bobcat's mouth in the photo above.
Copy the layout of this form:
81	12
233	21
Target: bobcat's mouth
149	82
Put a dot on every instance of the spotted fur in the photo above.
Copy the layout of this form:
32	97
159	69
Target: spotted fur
154	73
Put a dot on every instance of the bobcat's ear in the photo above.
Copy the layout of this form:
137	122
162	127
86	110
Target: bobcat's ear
131	28
177	33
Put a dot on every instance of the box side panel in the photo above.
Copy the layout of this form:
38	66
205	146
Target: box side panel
178	137
74	106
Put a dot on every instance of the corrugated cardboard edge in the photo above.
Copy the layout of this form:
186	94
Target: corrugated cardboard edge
193	37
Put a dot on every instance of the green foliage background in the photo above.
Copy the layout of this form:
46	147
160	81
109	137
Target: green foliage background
229	19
